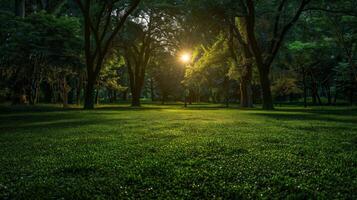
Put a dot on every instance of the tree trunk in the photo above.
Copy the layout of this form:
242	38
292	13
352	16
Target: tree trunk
246	94
315	94
199	94
226	88
110	95
125	95
34	92
135	101
190	96
318	98
328	90
20	8
64	92
114	96
136	91
336	95
89	94
19	96
246	100
314	99
78	90
45	4
152	92
305	87
264	64
313	90
266	90
34	85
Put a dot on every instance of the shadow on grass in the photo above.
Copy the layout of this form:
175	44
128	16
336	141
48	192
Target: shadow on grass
340	111
339	116
46	123
55	120
126	108
6	109
49	116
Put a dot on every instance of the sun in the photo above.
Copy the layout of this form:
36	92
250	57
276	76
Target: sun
185	57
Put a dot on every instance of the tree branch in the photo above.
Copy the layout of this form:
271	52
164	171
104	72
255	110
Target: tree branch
276	43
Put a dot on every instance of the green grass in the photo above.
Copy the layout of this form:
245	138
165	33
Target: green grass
204	152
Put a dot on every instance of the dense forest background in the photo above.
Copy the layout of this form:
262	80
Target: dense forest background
247	52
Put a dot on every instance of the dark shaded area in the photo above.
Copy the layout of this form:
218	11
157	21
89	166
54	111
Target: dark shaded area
310	115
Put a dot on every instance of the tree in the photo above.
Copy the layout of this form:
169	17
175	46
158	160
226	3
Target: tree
20	8
102	22
110	78
243	59
147	32
165	77
265	55
210	71
37	49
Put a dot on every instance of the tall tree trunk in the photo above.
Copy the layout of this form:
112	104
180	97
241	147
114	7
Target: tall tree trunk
318	96
264	62
266	90
329	98
190	96
152	92
314	93
110	95
199	94
246	93
336	95
135	101
314	99
305	87
45	4
78	90
263	68
97	49
64	92
136	88
20	8
226	88
89	94
136	79
125	95
246	100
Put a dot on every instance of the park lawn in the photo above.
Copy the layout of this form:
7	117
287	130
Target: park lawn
168	152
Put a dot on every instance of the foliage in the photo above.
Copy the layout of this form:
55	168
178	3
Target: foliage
40	47
285	87
210	68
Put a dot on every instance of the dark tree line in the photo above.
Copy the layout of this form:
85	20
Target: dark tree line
88	51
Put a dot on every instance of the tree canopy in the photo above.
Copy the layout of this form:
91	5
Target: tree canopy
247	52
